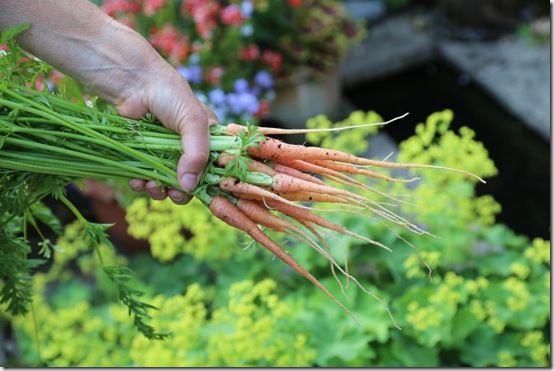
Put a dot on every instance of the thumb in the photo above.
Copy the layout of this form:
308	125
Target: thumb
195	141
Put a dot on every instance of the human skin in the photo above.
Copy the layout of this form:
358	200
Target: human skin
117	63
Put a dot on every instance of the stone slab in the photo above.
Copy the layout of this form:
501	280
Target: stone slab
512	70
389	47
516	73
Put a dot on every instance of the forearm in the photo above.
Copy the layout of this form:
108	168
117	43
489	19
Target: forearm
76	37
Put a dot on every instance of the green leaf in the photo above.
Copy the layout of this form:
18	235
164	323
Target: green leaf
463	324
11	33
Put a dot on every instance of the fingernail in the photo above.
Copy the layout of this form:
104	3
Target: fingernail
188	181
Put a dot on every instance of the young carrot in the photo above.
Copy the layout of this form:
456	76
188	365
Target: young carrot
280	168
249	191
263	216
224	209
344	168
253	165
275	150
335	176
284	184
303	215
316	197
235	129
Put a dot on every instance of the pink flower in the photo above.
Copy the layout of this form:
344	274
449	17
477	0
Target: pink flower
263	109
112	7
232	16
250	52
3	47
165	39
272	59
214	75
170	43
56	77
150	7
203	12
180	52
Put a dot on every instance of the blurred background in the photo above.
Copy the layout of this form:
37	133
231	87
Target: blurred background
475	79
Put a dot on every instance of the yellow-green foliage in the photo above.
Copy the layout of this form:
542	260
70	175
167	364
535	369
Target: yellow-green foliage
451	194
166	227
352	141
254	328
487	302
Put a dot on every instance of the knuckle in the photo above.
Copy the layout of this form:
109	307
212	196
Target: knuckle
196	117
197	158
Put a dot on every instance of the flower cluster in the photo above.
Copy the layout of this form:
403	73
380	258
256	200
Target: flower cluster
163	223
211	44
231	51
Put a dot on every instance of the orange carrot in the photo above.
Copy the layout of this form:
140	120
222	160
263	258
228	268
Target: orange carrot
315	197
249	191
235	129
230	214
273	149
285	184
344	168
280	168
303	215
253	165
260	215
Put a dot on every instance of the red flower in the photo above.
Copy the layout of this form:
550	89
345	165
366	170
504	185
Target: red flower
56	77
250	52
180	52
295	3
232	15
272	59
263	109
111	7
214	75
203	12
150	7
170	43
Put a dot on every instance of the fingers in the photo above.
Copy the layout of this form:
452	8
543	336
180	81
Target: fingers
195	140
137	185
178	197
157	192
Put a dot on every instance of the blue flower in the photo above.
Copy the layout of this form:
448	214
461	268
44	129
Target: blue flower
217	97
248	102
247	30
264	79
192	74
241	86
233	103
247	8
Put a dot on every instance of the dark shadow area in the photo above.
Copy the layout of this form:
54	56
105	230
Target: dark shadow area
521	156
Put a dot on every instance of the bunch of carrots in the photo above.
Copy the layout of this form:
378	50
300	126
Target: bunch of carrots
251	181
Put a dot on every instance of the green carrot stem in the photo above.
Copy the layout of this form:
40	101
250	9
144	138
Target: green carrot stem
169	180
44	112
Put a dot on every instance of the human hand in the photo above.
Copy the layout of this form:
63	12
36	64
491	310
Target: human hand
111	59
168	97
